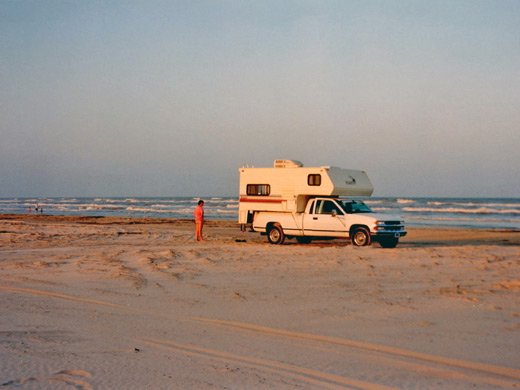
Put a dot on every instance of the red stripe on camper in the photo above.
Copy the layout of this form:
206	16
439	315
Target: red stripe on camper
261	200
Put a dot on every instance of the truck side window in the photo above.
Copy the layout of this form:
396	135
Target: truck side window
259	189
327	207
311	209
314	180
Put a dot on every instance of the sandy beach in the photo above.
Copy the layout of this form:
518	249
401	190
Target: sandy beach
122	303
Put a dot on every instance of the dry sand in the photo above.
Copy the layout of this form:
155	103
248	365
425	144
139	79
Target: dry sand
120	303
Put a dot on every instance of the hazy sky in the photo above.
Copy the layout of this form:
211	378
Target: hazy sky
170	98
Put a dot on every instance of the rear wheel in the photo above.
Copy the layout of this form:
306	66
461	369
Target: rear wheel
275	234
360	237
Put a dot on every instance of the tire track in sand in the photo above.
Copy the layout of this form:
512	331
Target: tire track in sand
63	296
308	375
449	362
311	376
68	377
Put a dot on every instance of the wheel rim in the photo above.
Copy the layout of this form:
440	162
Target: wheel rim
275	235
360	238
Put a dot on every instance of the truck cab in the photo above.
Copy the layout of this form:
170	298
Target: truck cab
351	218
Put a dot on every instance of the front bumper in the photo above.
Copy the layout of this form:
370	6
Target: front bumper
396	234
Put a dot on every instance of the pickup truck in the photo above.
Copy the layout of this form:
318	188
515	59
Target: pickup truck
326	217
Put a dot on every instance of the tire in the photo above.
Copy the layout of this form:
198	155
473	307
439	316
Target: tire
389	242
360	237
303	240
275	235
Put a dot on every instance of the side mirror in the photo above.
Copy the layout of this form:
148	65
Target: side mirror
334	213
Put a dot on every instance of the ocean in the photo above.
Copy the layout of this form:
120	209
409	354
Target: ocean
480	213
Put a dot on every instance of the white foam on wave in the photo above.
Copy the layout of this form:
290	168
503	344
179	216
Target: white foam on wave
473	204
381	208
460	219
220	200
453	210
146	210
162	206
405	201
100	207
225	211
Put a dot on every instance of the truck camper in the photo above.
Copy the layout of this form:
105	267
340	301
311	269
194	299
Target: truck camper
290	200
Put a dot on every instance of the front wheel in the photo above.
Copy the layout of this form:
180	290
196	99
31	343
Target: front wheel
276	235
360	237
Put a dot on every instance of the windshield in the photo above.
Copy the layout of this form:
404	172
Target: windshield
354	206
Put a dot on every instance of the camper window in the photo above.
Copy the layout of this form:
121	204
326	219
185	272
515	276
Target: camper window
258	189
314	180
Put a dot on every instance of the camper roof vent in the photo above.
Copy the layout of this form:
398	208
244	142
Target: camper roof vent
287	164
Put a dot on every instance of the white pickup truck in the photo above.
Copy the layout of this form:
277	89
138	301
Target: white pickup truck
331	218
290	200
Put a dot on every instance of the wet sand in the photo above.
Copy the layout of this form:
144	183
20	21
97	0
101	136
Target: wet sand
110	303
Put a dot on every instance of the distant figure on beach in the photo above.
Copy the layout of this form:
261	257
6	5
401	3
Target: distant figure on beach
36	209
199	220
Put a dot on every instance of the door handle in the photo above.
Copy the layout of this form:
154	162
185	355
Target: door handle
315	218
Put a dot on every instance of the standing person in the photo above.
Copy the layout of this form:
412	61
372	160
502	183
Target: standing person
199	220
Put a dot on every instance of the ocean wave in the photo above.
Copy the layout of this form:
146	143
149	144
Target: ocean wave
461	219
405	201
147	210
452	210
162	206
132	200
100	207
73	205
472	204
224	211
220	200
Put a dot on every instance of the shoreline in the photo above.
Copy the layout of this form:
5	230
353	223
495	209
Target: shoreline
478	213
442	235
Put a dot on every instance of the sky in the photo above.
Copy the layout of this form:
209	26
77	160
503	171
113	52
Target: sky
170	98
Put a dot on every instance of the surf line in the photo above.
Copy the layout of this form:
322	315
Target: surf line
475	366
308	375
63	296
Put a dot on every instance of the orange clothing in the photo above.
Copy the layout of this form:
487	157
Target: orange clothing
199	214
